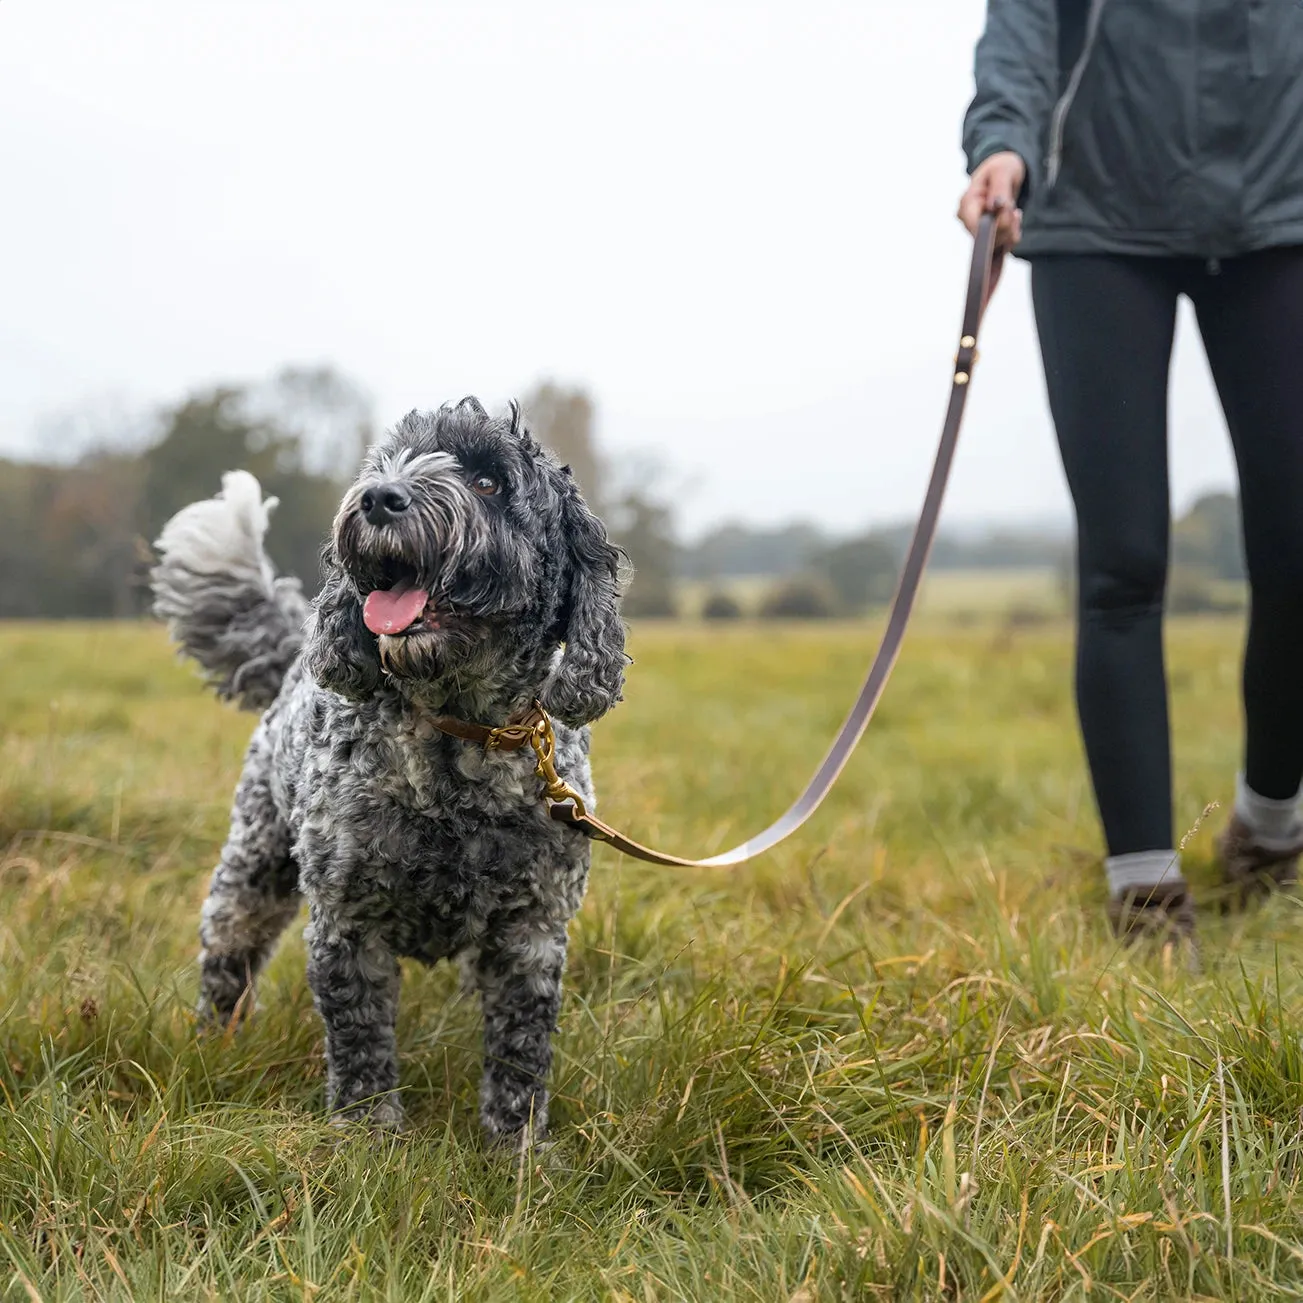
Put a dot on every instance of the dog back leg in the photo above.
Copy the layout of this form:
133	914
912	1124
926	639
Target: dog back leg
252	897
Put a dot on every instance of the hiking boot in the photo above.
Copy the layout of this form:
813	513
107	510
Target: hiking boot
1250	866
1164	913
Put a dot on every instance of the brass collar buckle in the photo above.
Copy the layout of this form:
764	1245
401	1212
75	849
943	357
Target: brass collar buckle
536	729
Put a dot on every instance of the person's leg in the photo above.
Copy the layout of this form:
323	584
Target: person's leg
1251	319
1106	326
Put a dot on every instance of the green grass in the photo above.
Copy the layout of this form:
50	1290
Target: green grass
897	1058
976	592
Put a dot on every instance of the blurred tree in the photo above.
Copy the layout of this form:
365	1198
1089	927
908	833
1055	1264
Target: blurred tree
862	572
644	528
720	605
639	519
328	415
1208	537
92	527
802	597
735	549
207	434
70	545
562	419
30	582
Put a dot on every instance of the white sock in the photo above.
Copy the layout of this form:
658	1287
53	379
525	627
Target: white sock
1142	869
1275	825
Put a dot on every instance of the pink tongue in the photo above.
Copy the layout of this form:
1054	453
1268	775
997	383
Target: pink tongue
392	610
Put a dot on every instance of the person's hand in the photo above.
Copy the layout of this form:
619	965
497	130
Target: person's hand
994	188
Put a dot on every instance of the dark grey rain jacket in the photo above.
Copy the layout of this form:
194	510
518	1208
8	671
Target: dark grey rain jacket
1147	126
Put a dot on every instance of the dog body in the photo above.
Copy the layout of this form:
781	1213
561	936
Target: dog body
465	577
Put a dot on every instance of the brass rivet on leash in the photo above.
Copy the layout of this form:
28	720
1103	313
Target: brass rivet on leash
965	359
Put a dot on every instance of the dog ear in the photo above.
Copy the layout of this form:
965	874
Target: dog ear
340	652
516	420
588	680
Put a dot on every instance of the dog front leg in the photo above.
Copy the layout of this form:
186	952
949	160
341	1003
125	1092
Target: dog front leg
519	976
354	980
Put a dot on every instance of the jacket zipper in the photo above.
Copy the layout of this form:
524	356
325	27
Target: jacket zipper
1055	157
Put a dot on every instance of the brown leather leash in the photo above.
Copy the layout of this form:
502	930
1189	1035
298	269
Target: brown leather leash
535	728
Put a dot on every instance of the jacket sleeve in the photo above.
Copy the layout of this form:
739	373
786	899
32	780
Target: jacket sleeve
1016	75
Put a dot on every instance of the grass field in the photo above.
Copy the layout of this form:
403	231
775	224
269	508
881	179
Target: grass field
970	594
897	1058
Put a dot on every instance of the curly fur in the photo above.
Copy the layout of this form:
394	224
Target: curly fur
220	596
407	842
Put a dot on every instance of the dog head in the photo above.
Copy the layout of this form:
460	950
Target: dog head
465	566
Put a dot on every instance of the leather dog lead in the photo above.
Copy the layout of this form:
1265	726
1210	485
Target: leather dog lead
534	728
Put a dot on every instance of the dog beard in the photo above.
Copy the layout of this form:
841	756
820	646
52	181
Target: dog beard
433	654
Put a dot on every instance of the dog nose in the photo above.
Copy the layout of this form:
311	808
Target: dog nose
385	502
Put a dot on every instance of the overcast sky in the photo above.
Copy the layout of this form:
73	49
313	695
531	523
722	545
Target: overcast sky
732	222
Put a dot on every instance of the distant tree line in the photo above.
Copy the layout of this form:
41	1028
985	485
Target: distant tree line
811	576
739	550
76	535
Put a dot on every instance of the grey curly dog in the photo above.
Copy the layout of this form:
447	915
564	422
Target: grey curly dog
464	576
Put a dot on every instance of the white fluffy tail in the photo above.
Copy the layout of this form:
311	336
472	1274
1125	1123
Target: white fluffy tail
224	606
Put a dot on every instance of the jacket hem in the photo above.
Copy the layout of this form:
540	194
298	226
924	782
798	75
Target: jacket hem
1041	241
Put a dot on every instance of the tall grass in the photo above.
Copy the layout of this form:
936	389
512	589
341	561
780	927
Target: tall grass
900	1057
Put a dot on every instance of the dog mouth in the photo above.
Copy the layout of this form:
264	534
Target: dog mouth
399	604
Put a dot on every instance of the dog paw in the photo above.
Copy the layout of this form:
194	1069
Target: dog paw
522	1142
217	1021
384	1116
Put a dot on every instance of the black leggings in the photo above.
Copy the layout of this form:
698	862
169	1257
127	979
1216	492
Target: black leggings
1106	326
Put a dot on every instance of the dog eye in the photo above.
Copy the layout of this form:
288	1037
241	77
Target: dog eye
486	485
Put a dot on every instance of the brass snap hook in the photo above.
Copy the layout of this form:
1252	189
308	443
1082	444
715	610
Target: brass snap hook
543	740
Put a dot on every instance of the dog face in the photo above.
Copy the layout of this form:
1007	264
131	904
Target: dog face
460	562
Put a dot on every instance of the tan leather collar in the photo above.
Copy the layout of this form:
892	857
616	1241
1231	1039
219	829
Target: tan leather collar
511	736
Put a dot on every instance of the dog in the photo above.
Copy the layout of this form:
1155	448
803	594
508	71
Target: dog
464	576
